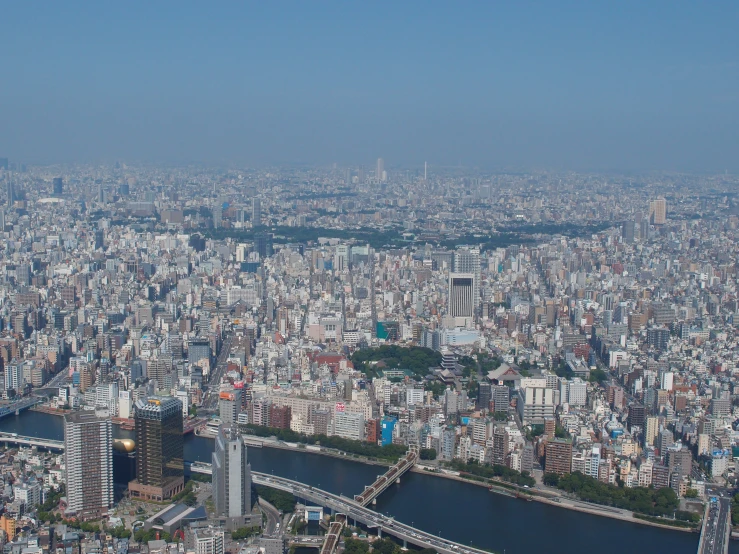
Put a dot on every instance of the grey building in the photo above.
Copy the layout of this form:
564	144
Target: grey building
231	478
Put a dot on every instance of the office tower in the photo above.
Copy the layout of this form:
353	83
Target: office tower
4	163
2	220
101	193
637	416
558	456
256	212
658	337
88	457
124	189
484	396
99	239
628	231
658	211
380	171
461	296
217	216
57	186
229	406
467	260
263	245
11	194
231	477
159	461
198	349
341	258
347	176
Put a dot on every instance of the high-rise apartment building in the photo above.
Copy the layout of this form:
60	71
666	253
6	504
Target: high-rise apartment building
558	456
88	459
231	477
658	211
651	430
159	445
57	187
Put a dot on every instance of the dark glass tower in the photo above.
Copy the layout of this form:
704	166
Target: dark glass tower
159	449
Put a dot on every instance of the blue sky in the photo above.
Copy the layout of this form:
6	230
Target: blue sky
580	85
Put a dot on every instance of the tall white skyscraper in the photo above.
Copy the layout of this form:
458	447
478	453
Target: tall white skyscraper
341	258
380	171
467	260
88	458
461	293
231	477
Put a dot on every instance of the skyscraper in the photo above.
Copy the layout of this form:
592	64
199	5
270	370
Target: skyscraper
263	244
159	449
11	194
217	215
88	457
658	211
467	260
380	171
2	220
256	212
461	291
628	231
57	186
231	477
341	258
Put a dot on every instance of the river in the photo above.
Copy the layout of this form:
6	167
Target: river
458	511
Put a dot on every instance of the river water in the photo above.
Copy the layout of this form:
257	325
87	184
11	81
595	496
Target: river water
458	511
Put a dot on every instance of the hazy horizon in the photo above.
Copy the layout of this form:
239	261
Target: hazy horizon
558	86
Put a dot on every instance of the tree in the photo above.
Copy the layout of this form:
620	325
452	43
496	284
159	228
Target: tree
428	453
384	546
691	493
193	411
551	479
355	546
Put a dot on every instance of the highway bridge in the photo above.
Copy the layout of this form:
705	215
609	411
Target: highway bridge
391	476
716	527
17	407
369	518
15	438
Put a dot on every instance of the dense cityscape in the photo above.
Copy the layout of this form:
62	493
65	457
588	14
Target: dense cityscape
560	338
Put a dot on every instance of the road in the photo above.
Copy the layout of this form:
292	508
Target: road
211	400
372	519
273	518
715	533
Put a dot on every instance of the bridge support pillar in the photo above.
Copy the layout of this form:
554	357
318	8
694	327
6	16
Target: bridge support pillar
397	481
379	532
405	545
374	501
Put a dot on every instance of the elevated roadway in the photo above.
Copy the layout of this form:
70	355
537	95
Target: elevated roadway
354	511
15	438
716	527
